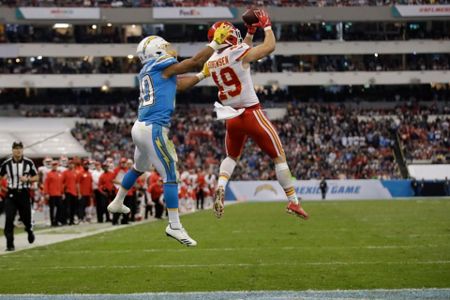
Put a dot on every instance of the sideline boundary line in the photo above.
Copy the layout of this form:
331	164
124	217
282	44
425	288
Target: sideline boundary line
432	293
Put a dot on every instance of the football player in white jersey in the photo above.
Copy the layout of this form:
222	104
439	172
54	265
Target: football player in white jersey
45	168
43	171
229	67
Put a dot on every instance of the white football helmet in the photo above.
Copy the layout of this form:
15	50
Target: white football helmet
153	47
47	162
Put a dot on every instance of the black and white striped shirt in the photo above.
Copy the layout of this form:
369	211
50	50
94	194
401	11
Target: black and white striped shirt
16	169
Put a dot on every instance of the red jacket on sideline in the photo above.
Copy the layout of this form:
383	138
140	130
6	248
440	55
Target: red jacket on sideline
84	180
53	185
70	181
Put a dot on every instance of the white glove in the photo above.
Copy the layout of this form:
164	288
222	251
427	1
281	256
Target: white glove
226	112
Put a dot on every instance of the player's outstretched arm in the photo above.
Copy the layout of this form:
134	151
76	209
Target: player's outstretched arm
268	46
200	58
186	82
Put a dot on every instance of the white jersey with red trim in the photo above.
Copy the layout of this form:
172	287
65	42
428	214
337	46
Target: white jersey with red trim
234	82
211	181
43	171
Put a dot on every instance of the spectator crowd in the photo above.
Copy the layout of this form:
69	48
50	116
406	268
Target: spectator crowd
331	141
426	137
340	139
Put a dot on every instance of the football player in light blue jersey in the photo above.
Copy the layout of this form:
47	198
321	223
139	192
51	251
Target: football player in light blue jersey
158	84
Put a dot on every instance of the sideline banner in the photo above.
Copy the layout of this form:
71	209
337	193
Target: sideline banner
421	10
58	13
429	171
218	12
309	190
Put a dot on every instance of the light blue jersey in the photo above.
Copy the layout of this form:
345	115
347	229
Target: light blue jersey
157	99
149	133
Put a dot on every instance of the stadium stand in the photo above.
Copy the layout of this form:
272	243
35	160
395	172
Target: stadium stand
322	63
361	147
299	31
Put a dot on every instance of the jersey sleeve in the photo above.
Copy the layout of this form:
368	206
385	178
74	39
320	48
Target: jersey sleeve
164	62
239	52
33	170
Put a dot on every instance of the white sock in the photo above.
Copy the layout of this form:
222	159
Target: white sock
285	179
174	218
226	170
120	195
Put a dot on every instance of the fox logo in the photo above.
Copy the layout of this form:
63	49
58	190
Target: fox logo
265	187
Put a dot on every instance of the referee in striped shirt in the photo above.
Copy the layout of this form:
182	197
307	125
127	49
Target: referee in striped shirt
21	173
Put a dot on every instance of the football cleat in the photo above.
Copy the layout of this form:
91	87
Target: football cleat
31	237
181	236
219	202
116	207
296	209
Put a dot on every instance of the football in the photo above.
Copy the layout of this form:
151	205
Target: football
249	17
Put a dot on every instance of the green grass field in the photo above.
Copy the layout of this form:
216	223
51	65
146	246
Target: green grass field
256	246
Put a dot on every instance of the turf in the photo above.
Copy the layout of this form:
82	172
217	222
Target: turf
256	246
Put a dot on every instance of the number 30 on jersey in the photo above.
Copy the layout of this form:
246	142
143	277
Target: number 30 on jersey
147	91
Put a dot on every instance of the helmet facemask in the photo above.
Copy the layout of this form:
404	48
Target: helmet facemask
235	37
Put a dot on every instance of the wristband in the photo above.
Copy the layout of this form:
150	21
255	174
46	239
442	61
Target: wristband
267	28
214	45
200	76
249	35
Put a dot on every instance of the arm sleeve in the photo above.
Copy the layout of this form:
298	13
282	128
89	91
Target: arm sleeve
33	170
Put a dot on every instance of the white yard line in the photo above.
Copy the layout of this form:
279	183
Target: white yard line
60	234
431	293
237	249
299	264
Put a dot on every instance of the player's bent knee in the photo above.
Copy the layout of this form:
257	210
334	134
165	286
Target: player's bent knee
137	171
233	158
279	159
